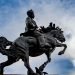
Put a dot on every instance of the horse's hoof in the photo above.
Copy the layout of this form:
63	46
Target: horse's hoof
38	72
60	53
30	73
45	73
34	74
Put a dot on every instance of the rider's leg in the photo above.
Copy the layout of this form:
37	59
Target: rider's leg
41	39
10	61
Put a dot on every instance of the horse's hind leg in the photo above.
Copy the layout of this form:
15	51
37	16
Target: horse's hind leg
10	61
25	59
48	54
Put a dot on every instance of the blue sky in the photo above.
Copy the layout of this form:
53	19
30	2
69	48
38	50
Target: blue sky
61	12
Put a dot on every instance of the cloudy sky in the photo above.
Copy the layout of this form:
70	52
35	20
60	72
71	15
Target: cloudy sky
61	12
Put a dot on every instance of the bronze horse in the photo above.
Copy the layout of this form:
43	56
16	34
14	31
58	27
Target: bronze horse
23	47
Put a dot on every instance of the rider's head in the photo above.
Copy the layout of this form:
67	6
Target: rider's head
30	13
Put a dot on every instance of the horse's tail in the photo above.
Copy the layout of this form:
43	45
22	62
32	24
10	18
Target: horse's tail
4	41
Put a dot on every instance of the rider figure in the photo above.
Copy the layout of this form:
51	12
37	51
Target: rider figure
31	24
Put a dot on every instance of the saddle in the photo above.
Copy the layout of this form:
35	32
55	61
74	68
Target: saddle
28	33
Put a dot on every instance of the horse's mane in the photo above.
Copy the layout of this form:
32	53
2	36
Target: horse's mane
49	28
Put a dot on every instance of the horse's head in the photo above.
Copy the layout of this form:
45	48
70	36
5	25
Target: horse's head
58	33
4	41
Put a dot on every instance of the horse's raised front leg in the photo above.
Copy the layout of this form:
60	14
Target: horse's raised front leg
62	45
10	61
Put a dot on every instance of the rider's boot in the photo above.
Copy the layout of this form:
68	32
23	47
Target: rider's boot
46	45
43	43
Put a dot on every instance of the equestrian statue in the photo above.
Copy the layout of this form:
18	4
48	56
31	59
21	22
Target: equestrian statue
33	42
